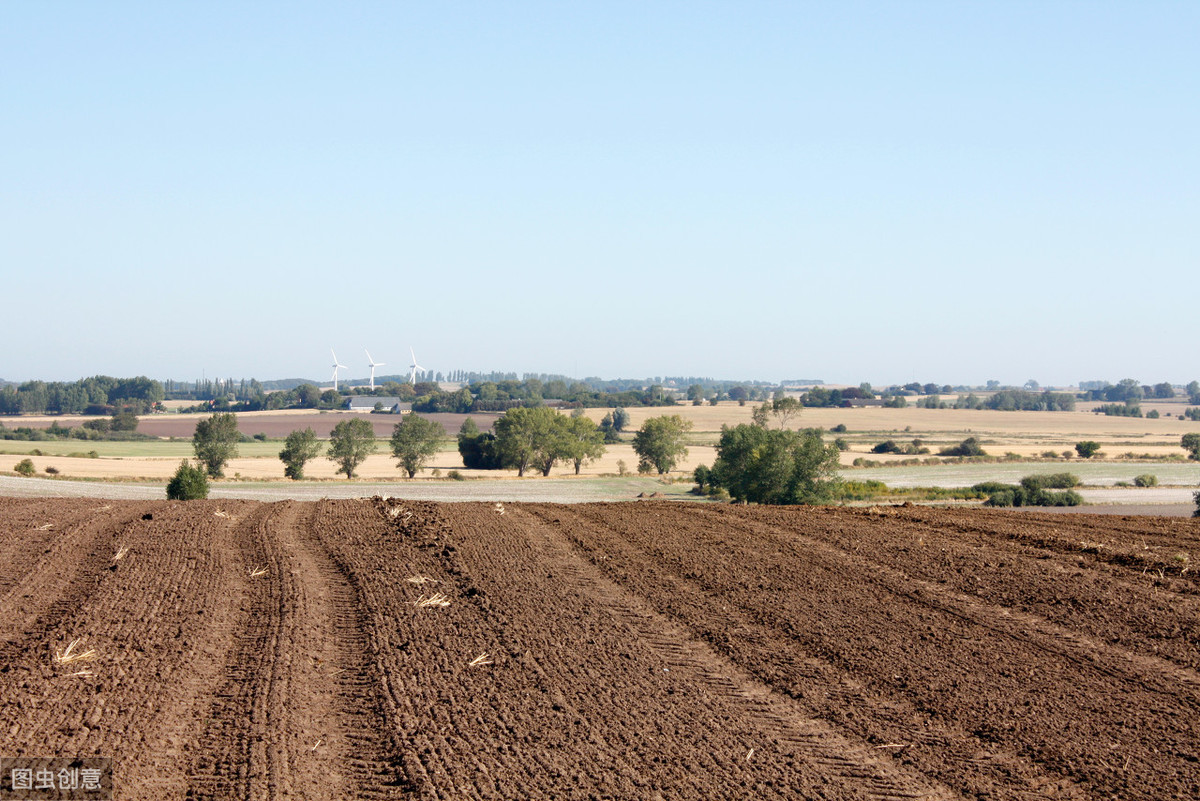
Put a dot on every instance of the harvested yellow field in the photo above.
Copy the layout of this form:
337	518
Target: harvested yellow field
1027	434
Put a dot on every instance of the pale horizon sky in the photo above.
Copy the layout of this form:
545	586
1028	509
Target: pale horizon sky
943	192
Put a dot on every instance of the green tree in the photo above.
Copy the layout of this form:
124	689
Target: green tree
613	423
188	484
415	440
785	408
300	448
215	442
25	467
351	442
1191	444
530	436
659	443
583	441
758	465
308	396
478	449
1087	449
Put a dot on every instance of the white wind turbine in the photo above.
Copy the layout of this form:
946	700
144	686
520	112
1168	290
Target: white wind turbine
336	366
414	367
373	364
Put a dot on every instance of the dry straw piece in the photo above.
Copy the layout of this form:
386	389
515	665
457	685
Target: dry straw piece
69	656
421	580
436	600
121	553
219	513
499	507
255	572
482	659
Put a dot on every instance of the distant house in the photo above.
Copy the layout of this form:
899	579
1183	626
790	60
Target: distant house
554	403
386	405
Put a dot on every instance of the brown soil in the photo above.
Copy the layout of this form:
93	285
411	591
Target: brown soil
628	651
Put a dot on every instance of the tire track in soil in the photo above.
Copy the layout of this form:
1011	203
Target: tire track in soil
295	716
849	761
938	747
1152	673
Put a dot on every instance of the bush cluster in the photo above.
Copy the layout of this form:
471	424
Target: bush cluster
968	447
1118	410
1032	491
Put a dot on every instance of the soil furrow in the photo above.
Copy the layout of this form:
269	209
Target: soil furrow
67	570
848	761
386	648
764	642
1014	694
1153	673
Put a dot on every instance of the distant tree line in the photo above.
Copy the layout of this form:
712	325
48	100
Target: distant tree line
98	395
121	426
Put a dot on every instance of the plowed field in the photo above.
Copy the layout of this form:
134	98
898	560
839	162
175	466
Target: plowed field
394	649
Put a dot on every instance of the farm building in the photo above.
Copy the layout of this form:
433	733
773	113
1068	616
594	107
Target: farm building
369	403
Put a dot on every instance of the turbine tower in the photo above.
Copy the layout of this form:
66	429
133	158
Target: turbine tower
414	367
373	364
336	366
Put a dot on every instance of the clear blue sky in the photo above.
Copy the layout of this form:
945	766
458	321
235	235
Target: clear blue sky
948	192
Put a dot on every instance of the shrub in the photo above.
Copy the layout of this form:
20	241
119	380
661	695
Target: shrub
968	447
840	428
51	470
1152	414
1050	481
887	447
1196	498
722	495
841	444
1087	449
454	475
1145	480
1001	498
188	484
1020	495
25	467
